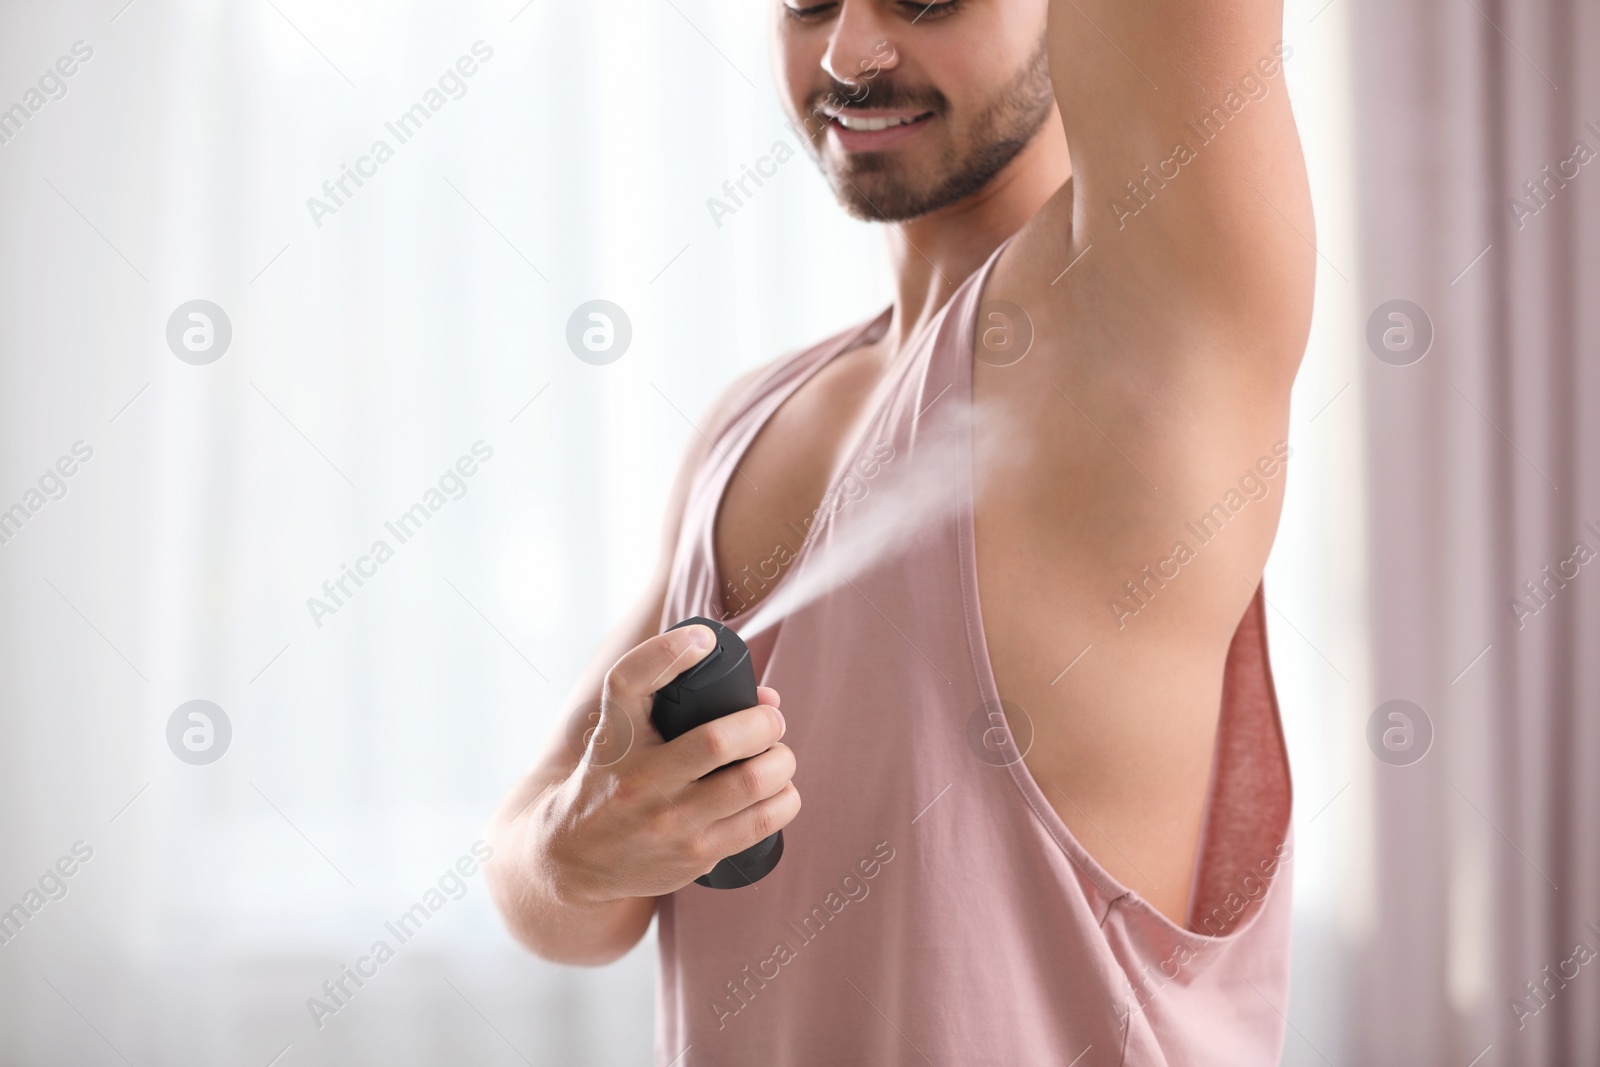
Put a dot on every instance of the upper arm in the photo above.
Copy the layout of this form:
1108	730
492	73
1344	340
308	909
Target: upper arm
1187	174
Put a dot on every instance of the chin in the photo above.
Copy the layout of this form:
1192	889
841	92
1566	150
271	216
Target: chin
894	204
877	194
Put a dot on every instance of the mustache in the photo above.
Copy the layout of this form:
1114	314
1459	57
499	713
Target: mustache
881	92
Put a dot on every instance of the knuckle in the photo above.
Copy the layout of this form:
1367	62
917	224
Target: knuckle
749	779
670	654
701	852
627	790
766	822
662	825
719	742
787	804
672	827
785	760
615	695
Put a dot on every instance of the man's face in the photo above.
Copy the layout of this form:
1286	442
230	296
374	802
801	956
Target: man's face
908	106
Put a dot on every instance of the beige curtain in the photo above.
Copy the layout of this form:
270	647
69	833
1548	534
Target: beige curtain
1478	123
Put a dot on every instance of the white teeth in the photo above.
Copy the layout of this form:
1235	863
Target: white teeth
852	122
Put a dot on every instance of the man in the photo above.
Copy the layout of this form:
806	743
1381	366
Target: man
1047	824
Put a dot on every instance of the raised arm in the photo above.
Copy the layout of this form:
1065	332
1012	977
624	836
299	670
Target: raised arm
1188	184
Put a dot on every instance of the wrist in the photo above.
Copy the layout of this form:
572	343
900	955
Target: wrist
562	876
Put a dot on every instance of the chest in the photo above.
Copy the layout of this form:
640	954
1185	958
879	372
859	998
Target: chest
807	456
1118	723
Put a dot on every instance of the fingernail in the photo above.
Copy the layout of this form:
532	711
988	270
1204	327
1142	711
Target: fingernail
783	724
703	638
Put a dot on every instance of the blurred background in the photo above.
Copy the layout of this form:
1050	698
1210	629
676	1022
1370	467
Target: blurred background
216	393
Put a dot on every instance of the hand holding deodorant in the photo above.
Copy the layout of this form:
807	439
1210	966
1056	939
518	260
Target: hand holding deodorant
721	684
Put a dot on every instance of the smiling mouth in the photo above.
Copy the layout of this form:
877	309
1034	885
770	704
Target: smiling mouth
873	124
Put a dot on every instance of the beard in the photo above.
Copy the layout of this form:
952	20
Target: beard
885	187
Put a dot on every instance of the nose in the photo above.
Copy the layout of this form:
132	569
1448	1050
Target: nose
859	45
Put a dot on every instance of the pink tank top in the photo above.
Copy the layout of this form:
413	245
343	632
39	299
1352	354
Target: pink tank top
931	907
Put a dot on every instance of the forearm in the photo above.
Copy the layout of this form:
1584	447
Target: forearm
538	897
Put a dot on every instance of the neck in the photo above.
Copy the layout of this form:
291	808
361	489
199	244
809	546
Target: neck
934	253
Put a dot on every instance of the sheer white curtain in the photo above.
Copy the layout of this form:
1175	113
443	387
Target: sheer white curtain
376	339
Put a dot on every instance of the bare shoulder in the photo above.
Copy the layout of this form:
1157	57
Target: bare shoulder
725	408
737	395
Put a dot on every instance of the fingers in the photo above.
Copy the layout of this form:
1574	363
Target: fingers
765	694
757	822
733	789
650	665
721	741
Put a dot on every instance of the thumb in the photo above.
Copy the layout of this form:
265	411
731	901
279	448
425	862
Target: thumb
632	681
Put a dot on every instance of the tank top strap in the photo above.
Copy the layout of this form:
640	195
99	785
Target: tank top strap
952	348
767	391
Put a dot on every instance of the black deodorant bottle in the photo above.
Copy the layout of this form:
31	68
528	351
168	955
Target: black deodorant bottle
721	684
